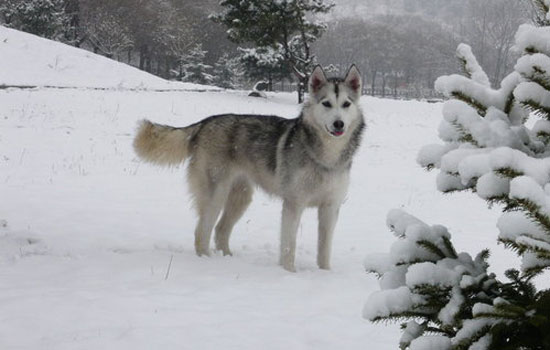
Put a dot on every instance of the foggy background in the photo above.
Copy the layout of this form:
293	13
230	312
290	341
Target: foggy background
400	46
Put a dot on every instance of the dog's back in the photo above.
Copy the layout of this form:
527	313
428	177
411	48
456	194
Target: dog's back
221	146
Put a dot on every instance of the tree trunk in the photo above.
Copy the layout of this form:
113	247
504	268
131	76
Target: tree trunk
301	89
373	83
141	58
148	64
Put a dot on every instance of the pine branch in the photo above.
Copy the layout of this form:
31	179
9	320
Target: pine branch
431	247
463	64
466	343
537	108
378	274
540	78
531	50
509	103
436	296
541	253
450	248
520	291
481	109
532	211
504	314
484	255
512	245
535	271
544	137
449	331
412	262
404	316
497	200
508	173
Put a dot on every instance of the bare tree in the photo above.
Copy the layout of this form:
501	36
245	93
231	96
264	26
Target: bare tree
107	34
489	28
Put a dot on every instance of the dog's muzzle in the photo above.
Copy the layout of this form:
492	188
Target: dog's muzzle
337	128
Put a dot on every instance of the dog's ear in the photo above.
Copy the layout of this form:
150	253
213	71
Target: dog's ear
353	79
317	79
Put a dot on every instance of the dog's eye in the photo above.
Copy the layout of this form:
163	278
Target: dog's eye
327	104
346	104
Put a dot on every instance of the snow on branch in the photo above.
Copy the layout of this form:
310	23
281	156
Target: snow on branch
423	278
450	300
471	67
531	39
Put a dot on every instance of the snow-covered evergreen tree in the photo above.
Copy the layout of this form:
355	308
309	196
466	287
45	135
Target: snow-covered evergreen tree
46	18
540	9
265	63
194	69
226	72
287	24
450	300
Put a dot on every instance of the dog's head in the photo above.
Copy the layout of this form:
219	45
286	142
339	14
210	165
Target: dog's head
333	105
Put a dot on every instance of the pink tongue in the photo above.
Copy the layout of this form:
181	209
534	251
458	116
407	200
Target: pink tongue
338	133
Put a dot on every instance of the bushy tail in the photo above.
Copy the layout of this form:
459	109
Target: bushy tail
161	144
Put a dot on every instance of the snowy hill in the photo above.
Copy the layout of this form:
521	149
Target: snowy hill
28	60
96	249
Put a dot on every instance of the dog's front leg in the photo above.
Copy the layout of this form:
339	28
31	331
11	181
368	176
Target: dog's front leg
292	212
328	214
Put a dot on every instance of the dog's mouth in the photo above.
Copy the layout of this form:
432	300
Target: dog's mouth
335	133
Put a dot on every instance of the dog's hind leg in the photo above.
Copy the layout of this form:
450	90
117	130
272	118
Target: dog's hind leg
237	201
327	215
210	189
292	212
209	212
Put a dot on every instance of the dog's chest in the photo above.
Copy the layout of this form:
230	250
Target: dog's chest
315	187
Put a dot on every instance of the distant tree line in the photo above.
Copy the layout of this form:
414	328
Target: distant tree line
403	54
163	37
235	43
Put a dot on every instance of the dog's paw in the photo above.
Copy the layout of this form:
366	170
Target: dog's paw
323	263
202	252
227	252
224	249
289	267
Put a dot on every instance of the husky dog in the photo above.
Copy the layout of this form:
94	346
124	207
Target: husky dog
306	161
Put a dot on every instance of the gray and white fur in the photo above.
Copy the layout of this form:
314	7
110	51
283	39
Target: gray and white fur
305	161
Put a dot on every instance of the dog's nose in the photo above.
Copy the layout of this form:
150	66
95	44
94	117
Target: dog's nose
338	125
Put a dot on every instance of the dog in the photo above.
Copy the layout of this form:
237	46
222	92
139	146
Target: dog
305	161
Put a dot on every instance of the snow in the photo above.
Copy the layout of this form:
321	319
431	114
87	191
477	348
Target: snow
526	64
470	328
432	342
412	331
464	52
387	302
449	313
482	344
28	60
430	273
534	92
96	249
531	37
490	185
448	85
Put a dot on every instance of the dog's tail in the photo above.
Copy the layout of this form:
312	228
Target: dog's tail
162	144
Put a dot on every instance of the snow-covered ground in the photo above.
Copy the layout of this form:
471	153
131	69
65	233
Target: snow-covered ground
27	60
96	249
